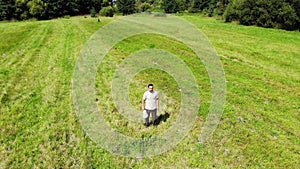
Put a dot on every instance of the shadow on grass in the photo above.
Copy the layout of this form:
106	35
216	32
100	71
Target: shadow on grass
162	118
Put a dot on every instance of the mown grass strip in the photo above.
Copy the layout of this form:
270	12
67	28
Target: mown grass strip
39	128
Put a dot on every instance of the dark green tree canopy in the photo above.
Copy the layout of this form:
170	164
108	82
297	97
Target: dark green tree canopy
283	14
126	7
266	13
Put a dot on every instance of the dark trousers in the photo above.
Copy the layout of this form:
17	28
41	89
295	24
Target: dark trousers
153	114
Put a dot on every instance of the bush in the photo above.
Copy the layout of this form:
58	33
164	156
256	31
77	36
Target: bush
159	14
232	12
288	18
93	12
264	19
208	11
173	6
107	11
24	16
271	13
220	8
193	10
143	7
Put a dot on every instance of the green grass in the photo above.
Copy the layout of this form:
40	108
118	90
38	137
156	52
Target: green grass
163	82
260	127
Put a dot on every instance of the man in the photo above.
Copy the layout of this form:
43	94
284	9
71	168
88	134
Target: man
152	104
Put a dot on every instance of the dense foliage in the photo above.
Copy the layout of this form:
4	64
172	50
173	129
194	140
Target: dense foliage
126	6
283	14
107	11
46	9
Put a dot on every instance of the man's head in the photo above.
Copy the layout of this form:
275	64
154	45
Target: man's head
150	87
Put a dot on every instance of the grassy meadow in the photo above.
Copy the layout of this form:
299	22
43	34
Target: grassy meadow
260	126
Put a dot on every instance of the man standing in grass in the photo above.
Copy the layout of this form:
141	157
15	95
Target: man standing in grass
152	104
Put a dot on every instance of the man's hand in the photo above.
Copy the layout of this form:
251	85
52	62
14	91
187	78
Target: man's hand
143	105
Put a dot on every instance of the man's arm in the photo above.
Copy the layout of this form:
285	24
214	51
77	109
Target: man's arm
157	103
143	104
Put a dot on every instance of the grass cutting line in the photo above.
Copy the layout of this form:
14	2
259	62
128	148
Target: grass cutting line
40	129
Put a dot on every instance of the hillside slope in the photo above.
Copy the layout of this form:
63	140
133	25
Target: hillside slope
260	127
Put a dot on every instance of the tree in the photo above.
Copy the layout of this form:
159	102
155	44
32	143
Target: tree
57	8
85	6
126	7
7	9
145	6
106	3
142	6
207	6
93	13
173	6
36	8
270	13
199	5
221	7
107	11
287	17
22	9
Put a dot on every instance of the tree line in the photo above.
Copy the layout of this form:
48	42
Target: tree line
283	14
46	9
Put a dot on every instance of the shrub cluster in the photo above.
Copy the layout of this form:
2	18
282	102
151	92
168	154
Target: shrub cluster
265	13
107	11
283	14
